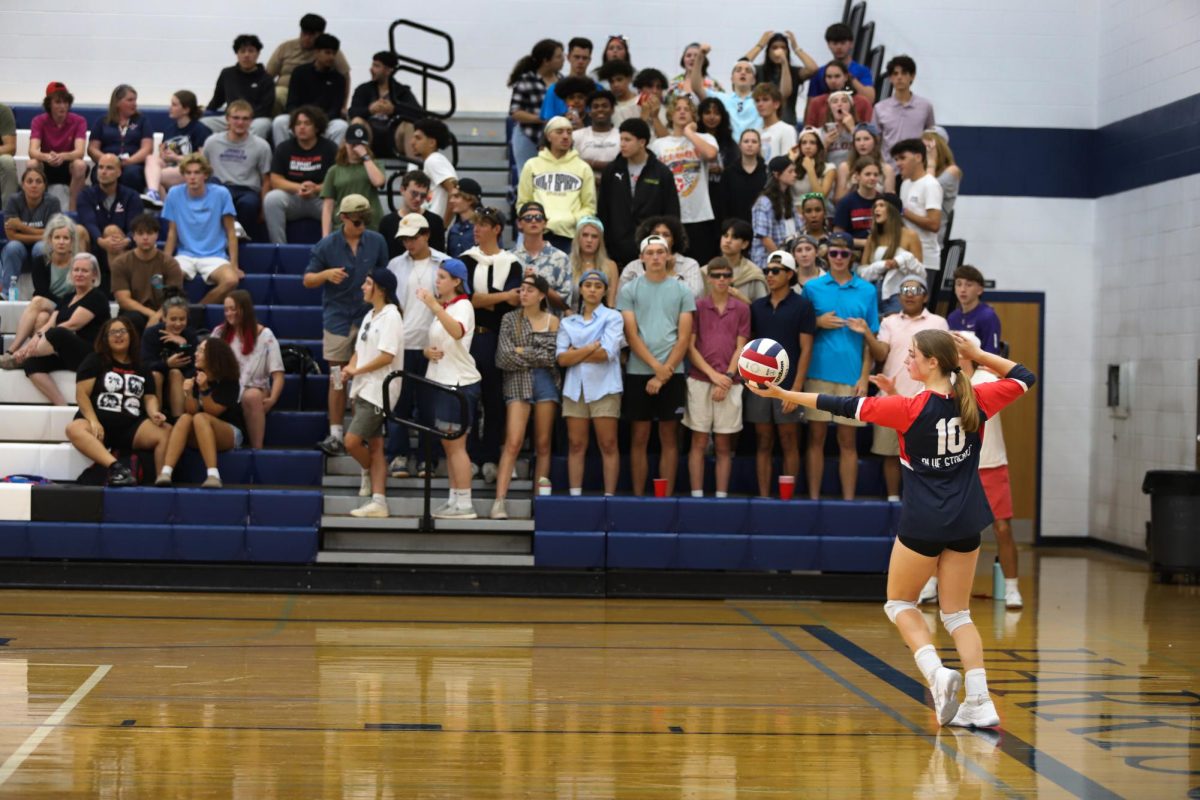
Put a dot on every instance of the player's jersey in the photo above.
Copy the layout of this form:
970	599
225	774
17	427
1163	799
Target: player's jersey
943	498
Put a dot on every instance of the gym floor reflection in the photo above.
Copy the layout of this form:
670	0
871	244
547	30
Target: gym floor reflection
125	695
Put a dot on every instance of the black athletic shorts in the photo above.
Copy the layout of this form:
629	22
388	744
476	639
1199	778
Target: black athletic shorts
933	549
667	405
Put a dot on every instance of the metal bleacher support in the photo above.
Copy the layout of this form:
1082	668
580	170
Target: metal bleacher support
954	253
426	70
858	13
863	42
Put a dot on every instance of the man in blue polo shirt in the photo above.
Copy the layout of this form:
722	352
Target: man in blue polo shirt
840	40
788	318
841	361
339	264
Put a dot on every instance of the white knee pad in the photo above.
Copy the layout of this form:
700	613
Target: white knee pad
893	608
955	620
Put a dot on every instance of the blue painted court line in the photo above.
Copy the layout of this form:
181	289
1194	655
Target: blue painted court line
877	703
1025	753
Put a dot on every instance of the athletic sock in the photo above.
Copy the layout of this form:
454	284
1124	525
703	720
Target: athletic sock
464	498
167	471
1010	584
928	661
214	473
336	432
697	493
379	498
722	494
976	680
576	492
893	498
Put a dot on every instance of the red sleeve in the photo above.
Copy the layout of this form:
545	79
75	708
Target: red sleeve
994	396
892	411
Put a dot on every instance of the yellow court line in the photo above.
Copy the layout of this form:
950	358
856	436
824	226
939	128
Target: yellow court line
46	728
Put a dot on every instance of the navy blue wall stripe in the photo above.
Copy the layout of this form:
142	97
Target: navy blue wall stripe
1159	145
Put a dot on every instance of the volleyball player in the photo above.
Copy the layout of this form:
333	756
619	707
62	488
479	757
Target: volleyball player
944	506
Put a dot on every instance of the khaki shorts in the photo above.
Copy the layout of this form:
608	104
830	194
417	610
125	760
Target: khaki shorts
885	441
368	419
705	415
827	387
338	349
204	267
607	406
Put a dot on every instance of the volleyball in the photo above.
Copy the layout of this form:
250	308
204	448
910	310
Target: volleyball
763	362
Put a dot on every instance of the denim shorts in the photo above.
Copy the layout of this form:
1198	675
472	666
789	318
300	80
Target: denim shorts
545	390
448	413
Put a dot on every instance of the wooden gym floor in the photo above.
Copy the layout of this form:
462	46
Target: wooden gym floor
139	695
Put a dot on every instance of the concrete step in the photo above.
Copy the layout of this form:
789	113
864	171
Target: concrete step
335	522
345	465
343	504
428	559
519	543
516	488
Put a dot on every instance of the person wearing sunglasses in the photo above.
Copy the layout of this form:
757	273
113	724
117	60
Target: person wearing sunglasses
539	256
787	317
561	181
714	392
841	361
339	265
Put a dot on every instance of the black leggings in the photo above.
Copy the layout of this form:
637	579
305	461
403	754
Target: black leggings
933	549
70	350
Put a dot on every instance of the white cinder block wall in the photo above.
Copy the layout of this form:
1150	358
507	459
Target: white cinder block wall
1132	295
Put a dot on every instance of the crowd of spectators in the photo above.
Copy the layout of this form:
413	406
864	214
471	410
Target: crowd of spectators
662	223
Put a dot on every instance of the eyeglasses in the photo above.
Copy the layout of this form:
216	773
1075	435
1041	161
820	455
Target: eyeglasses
118	333
719	276
912	291
533	218
839	253
776	270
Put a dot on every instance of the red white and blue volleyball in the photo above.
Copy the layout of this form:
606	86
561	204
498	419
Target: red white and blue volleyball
763	362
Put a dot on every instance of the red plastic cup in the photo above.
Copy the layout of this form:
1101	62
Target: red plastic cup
660	487
787	486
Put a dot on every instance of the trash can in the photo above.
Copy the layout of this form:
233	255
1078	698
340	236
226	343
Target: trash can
1174	520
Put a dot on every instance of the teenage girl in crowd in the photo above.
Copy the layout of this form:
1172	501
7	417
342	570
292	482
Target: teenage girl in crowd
260	362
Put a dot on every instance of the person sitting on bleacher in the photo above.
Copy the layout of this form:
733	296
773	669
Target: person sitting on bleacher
246	80
51	280
117	410
70	332
200	219
387	106
241	162
126	133
354	173
302	50
180	140
8	149
260	362
106	211
212	421
318	83
414	191
140	276
168	351
298	170
57	141
25	216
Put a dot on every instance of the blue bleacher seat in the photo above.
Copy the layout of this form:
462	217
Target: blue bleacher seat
296	322
570	513
195	289
288	290
569	549
136	542
259	287
710	515
256	258
210	506
646	549
775	552
641	514
292	259
64	539
711	551
855	553
235	465
304	231
863	518
288	467
286	509
14	539
295	428
146	505
870	478
783	517
281	544
209	542
316	393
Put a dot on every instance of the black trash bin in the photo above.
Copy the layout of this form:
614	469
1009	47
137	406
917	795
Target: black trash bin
1174	520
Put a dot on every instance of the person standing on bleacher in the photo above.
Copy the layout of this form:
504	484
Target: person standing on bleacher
8	148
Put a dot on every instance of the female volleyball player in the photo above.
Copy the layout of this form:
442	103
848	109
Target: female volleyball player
941	431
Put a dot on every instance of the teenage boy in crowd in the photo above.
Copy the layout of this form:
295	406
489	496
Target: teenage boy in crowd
339	265
778	137
579	57
599	143
921	195
319	84
561	182
429	138
633	188
840	40
298	170
904	115
414	193
743	113
787	317
200	230
714	392
841	361
973	314
246	80
658	312
385	105
135	287
241	161
536	254
619	76
651	84
294	52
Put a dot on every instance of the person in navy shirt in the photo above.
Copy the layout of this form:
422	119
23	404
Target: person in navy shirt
973	314
944	507
840	40
106	211
125	133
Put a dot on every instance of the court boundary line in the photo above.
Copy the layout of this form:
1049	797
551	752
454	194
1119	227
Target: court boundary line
832	674
1037	761
26	748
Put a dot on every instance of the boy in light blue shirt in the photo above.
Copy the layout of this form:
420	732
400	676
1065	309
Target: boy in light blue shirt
200	232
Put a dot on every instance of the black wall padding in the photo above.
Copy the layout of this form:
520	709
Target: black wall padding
63	503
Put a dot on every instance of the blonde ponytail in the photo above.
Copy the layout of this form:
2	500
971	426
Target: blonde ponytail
940	345
964	395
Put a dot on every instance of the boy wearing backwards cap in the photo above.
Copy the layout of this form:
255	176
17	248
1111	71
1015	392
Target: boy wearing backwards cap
561	182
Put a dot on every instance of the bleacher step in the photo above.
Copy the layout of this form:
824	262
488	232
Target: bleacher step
418	484
428	559
345	465
338	522
440	542
338	504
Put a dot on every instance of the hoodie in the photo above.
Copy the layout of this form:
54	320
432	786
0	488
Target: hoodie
566	188
499	272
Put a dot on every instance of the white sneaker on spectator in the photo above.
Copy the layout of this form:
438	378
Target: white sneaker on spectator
449	511
499	509
929	592
1012	598
945	686
399	467
152	198
474	470
364	486
371	509
489	472
976	712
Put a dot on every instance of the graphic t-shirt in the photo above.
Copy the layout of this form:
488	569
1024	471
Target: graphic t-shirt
188	139
297	164
691	175
118	393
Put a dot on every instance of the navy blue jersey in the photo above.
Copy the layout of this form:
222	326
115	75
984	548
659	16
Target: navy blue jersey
943	498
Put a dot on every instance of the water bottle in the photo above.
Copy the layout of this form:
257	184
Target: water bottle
14	294
156	287
998	585
335	377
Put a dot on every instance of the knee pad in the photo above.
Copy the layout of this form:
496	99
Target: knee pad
955	620
893	608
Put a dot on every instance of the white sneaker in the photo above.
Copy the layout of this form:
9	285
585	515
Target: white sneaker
946	683
399	467
499	509
929	593
364	487
1012	598
455	512
371	509
474	470
489	472
976	712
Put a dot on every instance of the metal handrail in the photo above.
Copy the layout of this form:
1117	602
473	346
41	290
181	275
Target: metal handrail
426	523
425	70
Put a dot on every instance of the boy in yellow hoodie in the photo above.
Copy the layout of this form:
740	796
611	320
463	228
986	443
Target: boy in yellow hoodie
561	181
